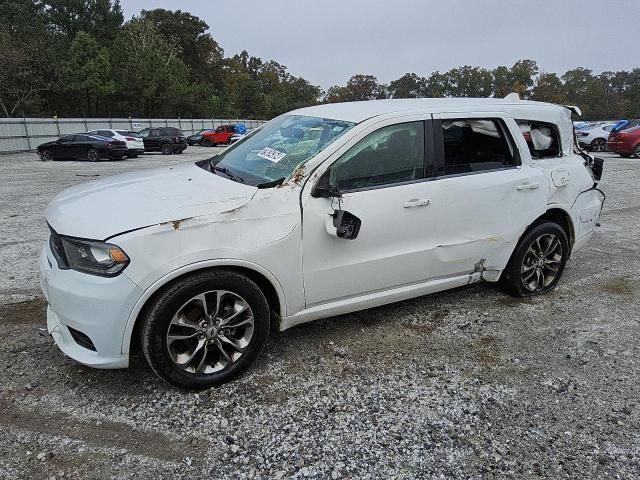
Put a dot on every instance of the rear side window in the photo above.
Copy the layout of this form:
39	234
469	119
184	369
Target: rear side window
543	139
393	154
475	145
170	132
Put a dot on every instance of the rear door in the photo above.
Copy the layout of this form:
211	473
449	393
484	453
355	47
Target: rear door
486	192
152	140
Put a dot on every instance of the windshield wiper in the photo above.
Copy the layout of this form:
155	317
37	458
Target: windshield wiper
226	171
272	183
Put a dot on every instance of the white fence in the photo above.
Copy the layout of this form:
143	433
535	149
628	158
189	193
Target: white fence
23	134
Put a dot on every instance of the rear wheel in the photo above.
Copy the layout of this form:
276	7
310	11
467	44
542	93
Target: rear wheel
45	155
599	145
207	142
538	261
166	149
206	329
636	152
93	155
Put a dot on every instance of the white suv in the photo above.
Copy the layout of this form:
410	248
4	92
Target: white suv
323	211
135	144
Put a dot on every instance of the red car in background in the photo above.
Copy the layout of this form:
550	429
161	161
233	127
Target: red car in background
626	142
222	134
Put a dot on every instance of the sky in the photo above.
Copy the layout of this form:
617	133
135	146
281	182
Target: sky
328	41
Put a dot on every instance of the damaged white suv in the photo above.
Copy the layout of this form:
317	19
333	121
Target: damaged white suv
322	211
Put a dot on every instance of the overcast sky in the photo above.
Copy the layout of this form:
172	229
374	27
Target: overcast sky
327	41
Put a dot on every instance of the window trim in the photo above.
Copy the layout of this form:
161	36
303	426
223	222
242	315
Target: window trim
556	132
439	146
428	152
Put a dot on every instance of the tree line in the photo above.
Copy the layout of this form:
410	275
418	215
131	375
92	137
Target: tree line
80	57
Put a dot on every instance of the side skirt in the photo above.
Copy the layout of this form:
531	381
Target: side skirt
377	299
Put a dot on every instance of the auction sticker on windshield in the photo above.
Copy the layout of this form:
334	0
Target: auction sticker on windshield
271	154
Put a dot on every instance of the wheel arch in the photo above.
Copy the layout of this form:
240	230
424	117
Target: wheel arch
266	281
557	215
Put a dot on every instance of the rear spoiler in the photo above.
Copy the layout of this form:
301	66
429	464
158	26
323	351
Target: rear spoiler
574	109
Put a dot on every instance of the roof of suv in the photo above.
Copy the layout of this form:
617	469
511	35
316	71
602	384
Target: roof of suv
360	111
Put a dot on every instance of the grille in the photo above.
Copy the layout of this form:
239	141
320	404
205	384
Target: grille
81	339
55	243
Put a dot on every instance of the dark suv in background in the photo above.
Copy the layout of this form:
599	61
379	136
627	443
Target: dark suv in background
165	139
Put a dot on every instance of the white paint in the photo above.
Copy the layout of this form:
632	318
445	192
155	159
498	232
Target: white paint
416	238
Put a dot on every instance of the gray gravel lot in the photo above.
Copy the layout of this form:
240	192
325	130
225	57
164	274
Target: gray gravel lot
466	384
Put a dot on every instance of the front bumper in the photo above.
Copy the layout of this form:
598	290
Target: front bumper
95	306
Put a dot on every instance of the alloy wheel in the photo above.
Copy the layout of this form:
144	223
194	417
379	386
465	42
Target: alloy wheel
541	262
45	155
93	155
167	149
210	332
599	145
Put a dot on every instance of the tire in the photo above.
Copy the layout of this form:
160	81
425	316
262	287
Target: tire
527	273
207	142
636	152
45	155
199	344
166	149
93	155
598	145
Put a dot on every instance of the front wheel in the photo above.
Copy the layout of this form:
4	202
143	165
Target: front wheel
207	142
538	261
45	155
93	155
636	152
206	329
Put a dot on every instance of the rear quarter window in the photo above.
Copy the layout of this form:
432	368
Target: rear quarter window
543	139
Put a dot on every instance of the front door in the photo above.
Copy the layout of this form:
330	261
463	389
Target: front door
382	176
485	193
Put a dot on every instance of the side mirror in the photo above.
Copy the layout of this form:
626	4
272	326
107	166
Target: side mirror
326	191
347	224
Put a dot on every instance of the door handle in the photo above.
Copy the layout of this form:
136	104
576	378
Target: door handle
527	186
416	202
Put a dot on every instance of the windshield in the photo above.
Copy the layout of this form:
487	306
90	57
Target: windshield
275	150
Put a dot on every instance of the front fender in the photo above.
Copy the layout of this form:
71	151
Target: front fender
193	267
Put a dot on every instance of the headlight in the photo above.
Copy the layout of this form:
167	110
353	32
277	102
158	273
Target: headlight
95	258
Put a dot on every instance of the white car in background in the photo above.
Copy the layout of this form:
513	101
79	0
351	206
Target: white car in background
595	139
135	144
322	211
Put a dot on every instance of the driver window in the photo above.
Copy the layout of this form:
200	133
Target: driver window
393	154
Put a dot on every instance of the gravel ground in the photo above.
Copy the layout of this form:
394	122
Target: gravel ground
466	384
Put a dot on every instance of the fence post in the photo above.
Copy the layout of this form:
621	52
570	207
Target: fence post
58	125
26	131
86	125
110	124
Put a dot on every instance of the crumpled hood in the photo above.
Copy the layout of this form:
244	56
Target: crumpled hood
103	208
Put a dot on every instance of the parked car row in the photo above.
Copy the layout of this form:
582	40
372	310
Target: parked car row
120	144
622	137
